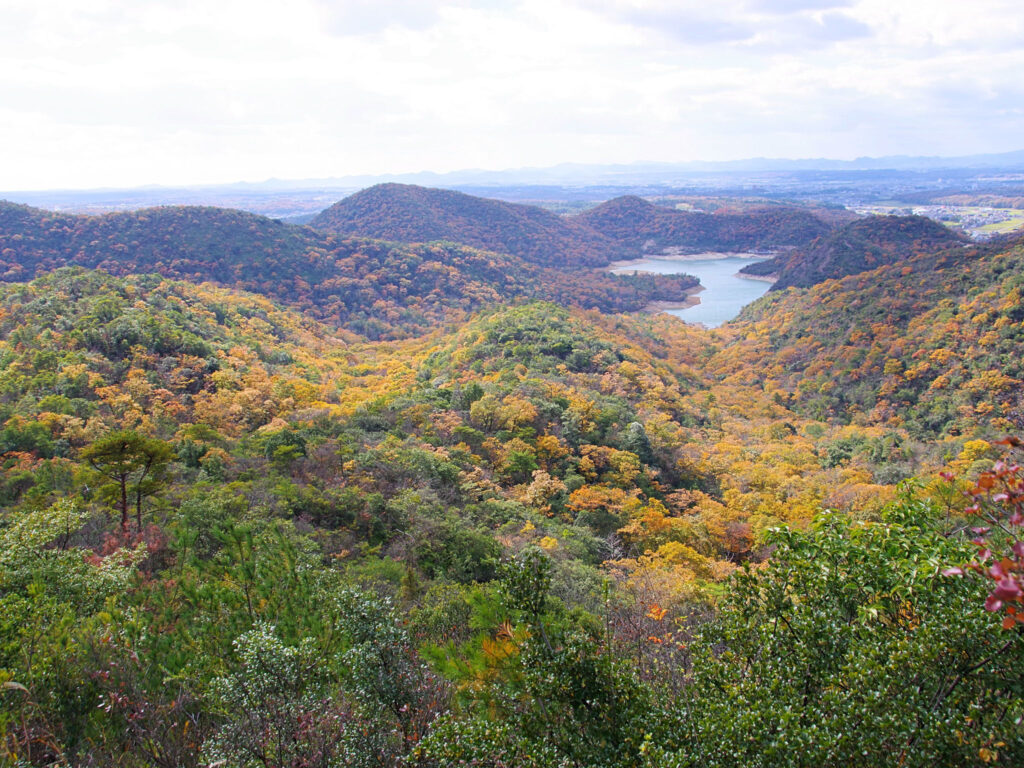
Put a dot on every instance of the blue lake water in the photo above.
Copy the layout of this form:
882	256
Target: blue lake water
724	294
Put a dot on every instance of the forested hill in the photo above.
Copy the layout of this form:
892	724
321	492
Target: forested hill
645	227
931	343
856	247
408	213
373	288
546	538
623	228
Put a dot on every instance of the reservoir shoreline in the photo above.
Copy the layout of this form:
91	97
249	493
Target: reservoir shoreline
691	300
762	278
620	266
723	290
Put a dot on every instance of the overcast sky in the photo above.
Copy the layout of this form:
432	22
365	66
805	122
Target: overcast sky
120	93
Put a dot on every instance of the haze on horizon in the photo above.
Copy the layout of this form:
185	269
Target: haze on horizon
187	92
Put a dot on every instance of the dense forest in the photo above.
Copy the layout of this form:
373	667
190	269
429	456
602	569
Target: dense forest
408	213
622	228
859	246
376	289
276	497
931	343
646	227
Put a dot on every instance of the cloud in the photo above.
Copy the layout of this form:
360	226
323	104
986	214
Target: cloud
688	26
357	17
782	7
802	34
763	23
834	26
346	18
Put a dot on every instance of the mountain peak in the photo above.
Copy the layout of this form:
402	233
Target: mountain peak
410	213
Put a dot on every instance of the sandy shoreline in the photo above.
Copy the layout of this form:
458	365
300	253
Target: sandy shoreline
762	278
691	300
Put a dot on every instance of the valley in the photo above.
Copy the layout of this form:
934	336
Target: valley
420	483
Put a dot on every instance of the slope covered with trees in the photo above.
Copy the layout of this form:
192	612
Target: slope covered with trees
408	213
373	288
648	228
931	343
544	536
859	246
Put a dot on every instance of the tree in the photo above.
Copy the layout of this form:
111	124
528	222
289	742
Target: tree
998	496
136	464
636	441
564	699
851	648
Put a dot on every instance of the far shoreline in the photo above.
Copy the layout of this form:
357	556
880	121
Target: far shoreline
619	267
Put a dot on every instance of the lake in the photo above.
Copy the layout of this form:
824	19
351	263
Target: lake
724	294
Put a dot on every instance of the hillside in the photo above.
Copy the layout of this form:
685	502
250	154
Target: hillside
372	288
931	343
408	213
623	228
244	536
648	228
857	247
566	418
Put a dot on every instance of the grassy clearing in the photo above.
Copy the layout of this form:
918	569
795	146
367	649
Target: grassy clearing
1007	225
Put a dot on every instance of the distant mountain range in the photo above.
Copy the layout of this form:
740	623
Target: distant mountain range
647	172
837	181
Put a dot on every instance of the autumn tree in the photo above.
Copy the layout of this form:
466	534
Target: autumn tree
851	648
998	496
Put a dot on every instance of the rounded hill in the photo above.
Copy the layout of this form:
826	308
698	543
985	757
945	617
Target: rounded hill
409	213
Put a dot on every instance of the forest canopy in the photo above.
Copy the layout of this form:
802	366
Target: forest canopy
272	497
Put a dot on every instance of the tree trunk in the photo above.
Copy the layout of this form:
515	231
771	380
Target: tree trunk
124	503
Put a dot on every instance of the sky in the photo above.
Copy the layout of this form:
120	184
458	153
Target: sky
111	93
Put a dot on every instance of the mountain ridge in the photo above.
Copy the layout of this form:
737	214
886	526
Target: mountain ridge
410	213
625	227
373	287
859	246
647	227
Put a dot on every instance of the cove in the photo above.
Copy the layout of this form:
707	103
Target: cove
724	294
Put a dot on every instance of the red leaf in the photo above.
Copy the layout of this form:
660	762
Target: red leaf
1007	589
